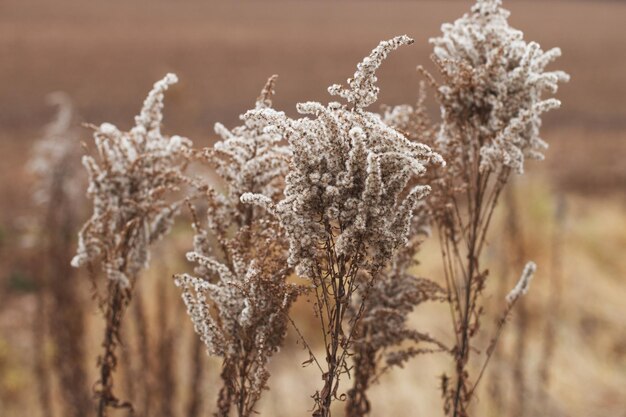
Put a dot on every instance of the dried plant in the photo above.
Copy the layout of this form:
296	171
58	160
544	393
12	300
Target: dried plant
520	289
491	101
129	182
416	124
239	297
346	208
491	106
384	331
384	337
55	156
55	163
141	372
517	249
491	97
166	387
342	204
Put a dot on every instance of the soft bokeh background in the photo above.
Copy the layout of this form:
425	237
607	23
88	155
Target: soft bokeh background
107	54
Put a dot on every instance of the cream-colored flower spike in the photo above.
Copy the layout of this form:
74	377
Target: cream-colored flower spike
521	288
362	89
350	171
238	297
54	155
348	202
507	77
128	181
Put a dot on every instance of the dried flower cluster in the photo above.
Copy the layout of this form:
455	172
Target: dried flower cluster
349	175
129	183
54	155
491	98
346	208
491	106
239	299
338	197
128	186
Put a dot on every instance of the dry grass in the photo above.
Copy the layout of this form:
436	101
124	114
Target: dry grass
588	334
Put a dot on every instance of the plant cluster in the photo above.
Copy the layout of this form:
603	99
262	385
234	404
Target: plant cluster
491	101
129	182
239	298
60	311
346	208
341	197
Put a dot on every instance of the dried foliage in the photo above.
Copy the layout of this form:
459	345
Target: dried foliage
346	208
338	197
555	305
491	96
384	337
491	106
128	188
239	297
56	164
129	182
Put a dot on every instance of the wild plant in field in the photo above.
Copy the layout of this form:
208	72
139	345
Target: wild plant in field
239	297
384	337
491	106
55	156
347	208
130	179
56	163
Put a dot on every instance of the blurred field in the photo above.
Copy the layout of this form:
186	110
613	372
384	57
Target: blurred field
106	55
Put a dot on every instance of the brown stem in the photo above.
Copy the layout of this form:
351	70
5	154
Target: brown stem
460	399
141	330
554	303
331	377
517	248
165	352
117	301
358	404
228	390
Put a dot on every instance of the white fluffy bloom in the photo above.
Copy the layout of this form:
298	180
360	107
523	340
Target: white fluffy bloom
249	158
128	180
238	298
350	173
362	89
494	82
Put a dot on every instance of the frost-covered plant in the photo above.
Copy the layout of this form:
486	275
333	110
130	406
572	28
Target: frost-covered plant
239	297
491	101
130	179
347	206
